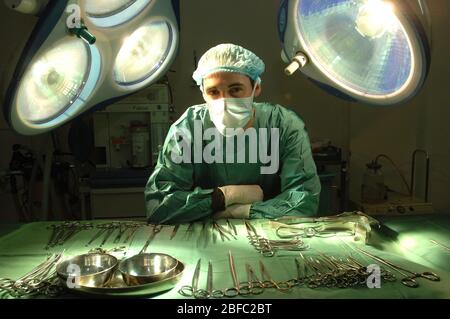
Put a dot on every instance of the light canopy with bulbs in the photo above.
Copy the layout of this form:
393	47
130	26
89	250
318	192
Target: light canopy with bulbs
373	51
129	44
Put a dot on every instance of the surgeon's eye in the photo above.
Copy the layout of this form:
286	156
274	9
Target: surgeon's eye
213	93
235	91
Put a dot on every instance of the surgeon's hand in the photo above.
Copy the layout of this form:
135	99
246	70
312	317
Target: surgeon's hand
242	194
237	211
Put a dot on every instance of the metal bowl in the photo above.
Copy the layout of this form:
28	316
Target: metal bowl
146	268
88	270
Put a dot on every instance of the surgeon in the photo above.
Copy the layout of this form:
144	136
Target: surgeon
232	157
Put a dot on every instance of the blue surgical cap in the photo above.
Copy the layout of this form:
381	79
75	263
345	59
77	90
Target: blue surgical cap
228	58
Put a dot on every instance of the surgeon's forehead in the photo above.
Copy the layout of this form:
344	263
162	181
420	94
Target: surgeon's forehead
225	79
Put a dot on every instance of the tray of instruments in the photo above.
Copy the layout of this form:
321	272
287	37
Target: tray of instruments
119	286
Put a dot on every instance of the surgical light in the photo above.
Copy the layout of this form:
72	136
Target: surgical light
106	7
142	53
110	13
86	54
51	85
375	18
373	51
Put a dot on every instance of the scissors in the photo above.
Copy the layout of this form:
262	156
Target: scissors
408	280
192	290
268	282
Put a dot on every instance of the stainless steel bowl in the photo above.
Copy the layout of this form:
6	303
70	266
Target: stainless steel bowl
146	268
88	270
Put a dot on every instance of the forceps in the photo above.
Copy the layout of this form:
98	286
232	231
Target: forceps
408	280
255	285
270	283
300	280
192	290
212	293
237	289
261	244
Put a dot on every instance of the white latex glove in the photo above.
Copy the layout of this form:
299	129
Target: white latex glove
242	194
237	211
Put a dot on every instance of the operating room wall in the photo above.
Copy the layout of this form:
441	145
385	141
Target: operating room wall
14	30
423	123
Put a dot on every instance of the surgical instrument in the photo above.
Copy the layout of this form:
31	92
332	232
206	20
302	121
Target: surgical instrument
155	230
123	228
212	293
222	235
107	251
408	280
255	285
222	231
189	231
110	230
192	290
440	244
270	283
268	247
205	234
42	280
132	232
237	289
256	241
174	231
101	229
288	231
61	233
232	227
301	275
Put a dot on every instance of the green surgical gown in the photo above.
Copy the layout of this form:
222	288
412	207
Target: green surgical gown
179	191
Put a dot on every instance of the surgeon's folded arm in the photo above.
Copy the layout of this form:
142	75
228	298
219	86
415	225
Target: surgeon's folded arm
170	196
300	184
289	203
179	206
170	199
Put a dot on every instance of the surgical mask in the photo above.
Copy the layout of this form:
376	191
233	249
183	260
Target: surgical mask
231	112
